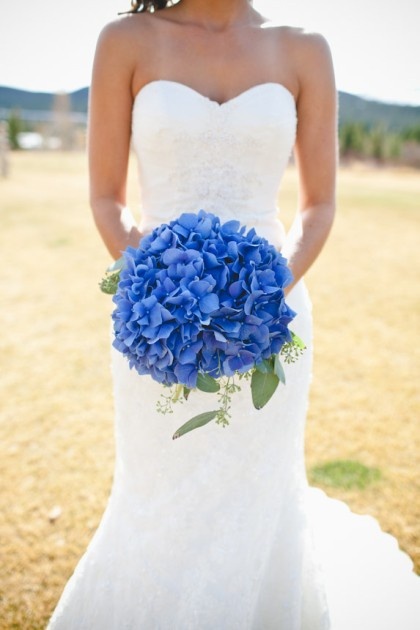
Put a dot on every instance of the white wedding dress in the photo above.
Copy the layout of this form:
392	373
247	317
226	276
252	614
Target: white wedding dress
218	530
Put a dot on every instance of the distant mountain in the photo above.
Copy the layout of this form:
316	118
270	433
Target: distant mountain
79	100
351	108
12	98
371	113
36	107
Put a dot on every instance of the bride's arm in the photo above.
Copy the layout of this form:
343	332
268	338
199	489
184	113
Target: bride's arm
315	151
109	130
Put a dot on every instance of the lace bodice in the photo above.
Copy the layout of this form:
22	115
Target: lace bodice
195	153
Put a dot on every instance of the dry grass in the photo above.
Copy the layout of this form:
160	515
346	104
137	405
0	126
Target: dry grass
56	406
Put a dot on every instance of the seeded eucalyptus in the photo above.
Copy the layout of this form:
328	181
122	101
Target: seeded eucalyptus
109	282
265	378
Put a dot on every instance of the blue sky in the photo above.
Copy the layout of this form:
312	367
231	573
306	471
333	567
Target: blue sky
49	45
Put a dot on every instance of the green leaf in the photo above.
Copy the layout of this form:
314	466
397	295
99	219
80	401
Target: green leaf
279	370
206	383
265	367
194	423
263	387
298	341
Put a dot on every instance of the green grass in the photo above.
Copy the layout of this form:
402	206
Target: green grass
345	474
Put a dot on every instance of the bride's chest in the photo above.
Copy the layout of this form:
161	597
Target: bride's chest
174	120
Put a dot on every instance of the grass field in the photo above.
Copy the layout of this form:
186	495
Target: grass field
56	457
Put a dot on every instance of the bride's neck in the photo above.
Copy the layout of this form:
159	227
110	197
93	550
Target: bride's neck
217	14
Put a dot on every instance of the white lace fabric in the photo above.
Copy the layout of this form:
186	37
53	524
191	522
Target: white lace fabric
227	159
218	530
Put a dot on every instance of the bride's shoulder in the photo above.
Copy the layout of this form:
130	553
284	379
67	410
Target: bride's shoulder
126	30
308	56
309	42
298	38
308	51
120	46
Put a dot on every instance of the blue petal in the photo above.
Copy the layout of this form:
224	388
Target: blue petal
199	287
186	375
230	227
209	303
189	353
188	220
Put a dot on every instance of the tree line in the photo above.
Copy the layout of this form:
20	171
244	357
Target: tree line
361	141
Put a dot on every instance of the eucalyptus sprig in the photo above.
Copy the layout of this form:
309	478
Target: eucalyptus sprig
265	378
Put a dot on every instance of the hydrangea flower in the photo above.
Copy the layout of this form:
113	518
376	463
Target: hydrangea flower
199	296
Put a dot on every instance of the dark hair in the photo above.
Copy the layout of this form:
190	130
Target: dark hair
148	5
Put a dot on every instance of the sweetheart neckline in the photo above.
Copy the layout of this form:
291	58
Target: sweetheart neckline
252	88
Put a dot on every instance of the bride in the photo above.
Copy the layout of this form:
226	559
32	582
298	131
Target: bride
219	529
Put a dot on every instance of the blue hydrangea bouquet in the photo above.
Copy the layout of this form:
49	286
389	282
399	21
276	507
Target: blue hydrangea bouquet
200	305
